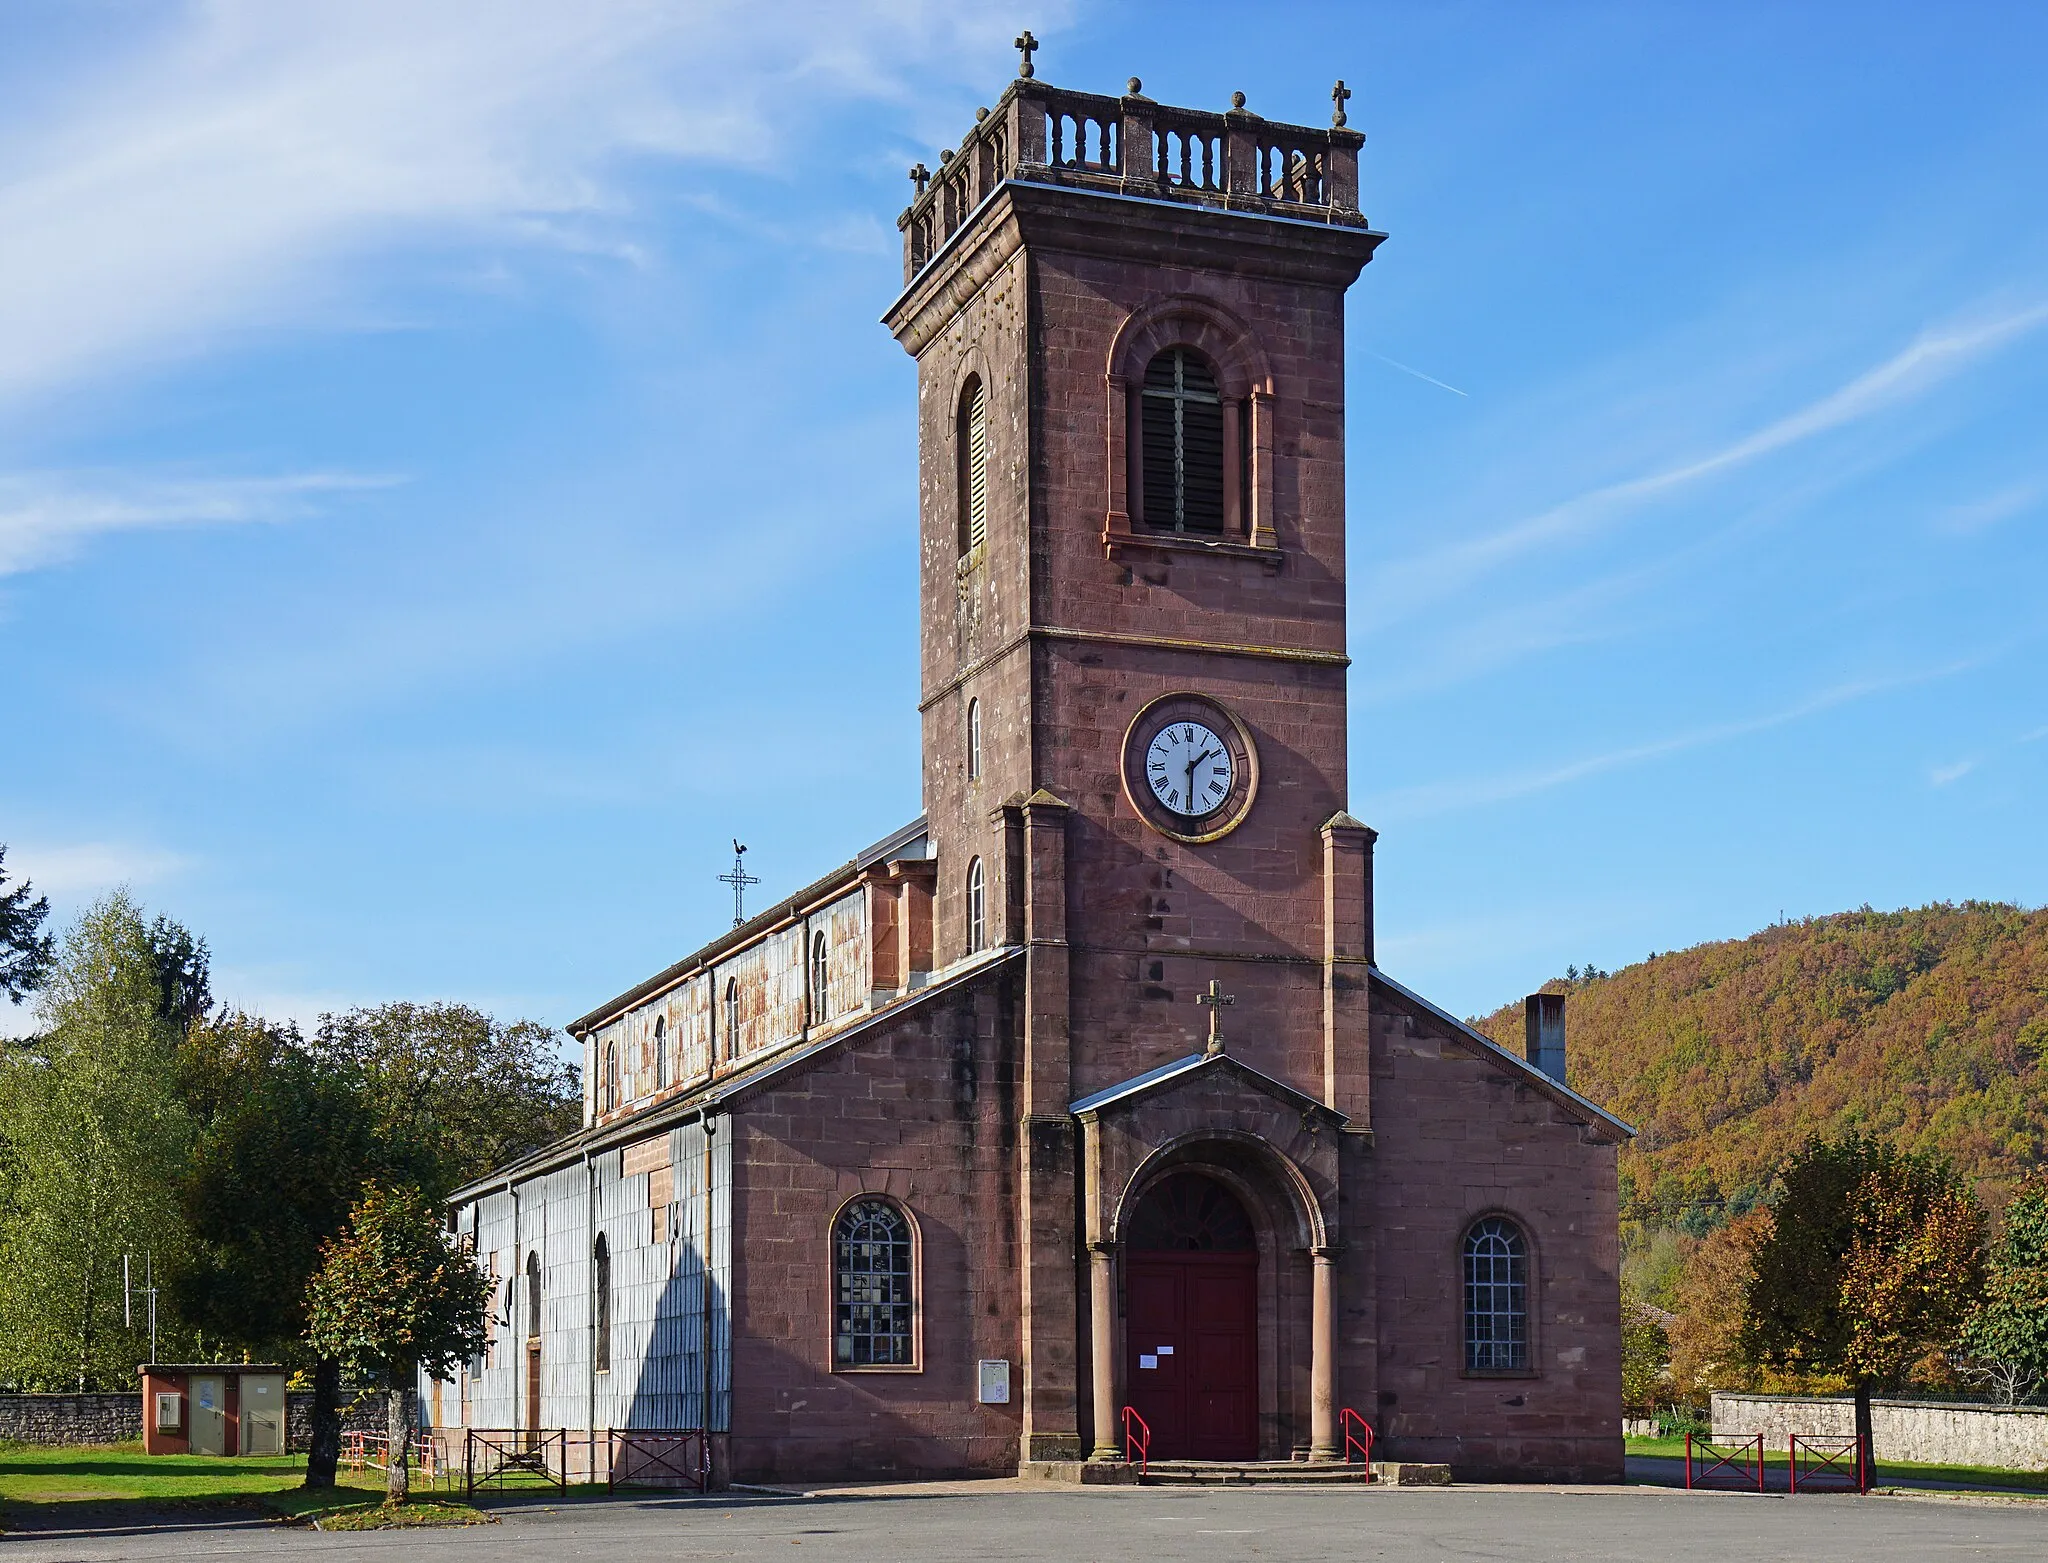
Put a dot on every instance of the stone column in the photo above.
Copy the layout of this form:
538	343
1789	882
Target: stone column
1322	1368
1048	1243
1102	1344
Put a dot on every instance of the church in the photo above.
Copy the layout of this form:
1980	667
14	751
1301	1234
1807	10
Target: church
1075	1120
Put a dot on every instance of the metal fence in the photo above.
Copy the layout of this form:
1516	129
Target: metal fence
671	1457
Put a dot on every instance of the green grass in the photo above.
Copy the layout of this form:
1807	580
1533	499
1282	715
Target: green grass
35	1479
1990	1477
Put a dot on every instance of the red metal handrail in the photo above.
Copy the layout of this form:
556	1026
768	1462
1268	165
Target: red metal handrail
1730	1454
1140	1440
1361	1439
1825	1458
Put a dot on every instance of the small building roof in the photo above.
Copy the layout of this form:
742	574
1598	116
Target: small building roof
158	1369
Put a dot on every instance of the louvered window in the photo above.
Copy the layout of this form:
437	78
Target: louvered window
973	444
1183	444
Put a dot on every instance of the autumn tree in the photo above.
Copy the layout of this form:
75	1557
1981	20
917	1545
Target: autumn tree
2006	1341
395	1294
1872	1259
1645	1355
451	1090
1710	1299
283	1146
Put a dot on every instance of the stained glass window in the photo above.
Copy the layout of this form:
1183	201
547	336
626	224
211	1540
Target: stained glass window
873	1324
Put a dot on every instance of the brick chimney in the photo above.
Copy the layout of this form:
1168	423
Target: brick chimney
1543	1033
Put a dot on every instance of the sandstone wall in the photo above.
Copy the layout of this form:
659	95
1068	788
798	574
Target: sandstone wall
1930	1432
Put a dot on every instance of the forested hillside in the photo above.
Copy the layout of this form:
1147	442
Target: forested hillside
1927	1028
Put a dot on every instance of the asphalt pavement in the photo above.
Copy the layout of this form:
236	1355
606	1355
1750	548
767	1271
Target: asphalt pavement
991	1521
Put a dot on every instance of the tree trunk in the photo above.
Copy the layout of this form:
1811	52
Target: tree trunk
323	1456
398	1425
1866	1442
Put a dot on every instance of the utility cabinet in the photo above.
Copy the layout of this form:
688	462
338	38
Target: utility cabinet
217	1408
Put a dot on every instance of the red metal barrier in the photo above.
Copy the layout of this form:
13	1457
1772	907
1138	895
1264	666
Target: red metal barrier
1357	1435
1139	1439
1828	1463
1742	1458
667	1457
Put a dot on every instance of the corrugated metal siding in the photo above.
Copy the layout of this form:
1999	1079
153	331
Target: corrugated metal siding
659	1272
845	926
771	978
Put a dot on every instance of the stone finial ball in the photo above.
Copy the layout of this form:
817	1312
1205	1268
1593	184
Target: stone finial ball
1237	100
1133	87
980	115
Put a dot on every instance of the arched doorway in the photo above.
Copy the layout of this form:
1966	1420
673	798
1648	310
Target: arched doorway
1191	1272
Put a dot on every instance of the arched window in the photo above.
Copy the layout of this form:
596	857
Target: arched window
873	1319
610	1094
1183	444
974	740
533	1294
821	980
732	1017
972	443
660	1054
602	1264
977	908
1496	1297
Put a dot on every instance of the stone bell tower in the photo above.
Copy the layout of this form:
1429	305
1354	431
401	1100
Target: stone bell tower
1128	321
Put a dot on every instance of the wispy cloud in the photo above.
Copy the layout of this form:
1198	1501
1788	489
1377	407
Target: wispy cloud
1451	797
220	176
85	869
1980	514
1923	364
46	517
1942	775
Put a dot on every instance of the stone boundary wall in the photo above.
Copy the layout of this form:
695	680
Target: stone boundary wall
117	1418
1931	1431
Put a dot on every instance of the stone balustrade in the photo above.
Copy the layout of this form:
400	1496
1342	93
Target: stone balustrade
1131	145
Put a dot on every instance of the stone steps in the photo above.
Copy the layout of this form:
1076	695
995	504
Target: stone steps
1237	1473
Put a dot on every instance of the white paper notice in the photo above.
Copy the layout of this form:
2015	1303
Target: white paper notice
1147	1360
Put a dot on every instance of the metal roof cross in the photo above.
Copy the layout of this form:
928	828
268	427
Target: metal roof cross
1215	998
739	879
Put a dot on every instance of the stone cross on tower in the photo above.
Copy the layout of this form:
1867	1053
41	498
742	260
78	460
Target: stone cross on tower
1026	46
1339	96
1215	999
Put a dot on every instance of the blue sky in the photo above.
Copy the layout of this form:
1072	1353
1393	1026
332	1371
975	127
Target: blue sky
452	479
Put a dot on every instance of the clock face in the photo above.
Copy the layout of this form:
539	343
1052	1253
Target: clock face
1189	769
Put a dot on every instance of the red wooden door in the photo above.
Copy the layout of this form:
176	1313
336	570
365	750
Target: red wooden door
1191	1336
